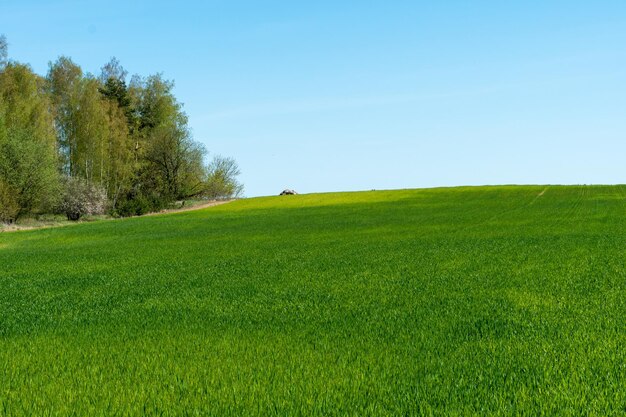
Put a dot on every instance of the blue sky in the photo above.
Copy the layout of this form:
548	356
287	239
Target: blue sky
354	95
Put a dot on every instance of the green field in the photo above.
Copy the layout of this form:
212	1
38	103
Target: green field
459	301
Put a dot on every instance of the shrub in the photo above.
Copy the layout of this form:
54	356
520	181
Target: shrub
9	208
82	198
137	204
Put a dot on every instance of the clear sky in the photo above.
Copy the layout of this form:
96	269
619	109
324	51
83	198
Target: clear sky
354	95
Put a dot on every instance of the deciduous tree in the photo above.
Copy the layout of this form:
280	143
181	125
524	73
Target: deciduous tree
221	180
28	157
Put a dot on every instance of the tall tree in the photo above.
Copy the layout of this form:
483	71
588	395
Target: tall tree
176	160
64	84
173	159
113	79
90	133
121	164
122	124
28	158
92	129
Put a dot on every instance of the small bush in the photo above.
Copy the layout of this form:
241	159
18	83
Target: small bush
9	208
137	204
81	198
133	207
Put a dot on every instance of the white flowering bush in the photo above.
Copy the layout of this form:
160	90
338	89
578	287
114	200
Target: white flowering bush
82	198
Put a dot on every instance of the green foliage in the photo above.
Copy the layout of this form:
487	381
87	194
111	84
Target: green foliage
27	168
26	106
137	204
157	106
221	181
64	81
132	140
121	160
462	302
113	81
173	165
115	90
9	208
28	159
90	127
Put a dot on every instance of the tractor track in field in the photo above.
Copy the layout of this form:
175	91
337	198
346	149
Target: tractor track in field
503	213
190	208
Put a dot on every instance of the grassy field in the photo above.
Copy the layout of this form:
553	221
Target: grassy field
459	301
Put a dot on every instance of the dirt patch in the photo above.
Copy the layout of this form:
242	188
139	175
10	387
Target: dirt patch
191	208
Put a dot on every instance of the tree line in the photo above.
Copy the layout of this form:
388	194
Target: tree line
77	143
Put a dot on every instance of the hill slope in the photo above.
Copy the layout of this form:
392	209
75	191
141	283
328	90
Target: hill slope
458	301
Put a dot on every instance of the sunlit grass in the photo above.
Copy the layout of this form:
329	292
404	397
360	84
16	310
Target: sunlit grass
460	301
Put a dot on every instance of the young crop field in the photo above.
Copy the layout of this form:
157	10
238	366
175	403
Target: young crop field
460	301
